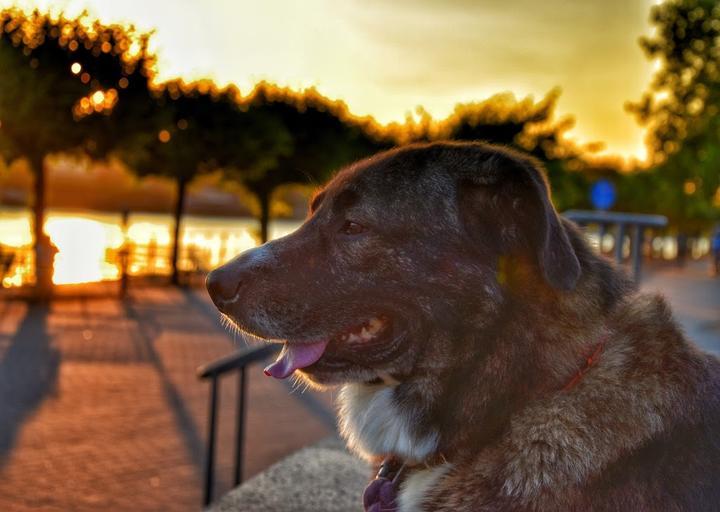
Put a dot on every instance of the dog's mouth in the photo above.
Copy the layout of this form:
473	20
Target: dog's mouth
298	355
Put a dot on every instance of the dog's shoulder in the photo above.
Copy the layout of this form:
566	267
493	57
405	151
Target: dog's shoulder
638	432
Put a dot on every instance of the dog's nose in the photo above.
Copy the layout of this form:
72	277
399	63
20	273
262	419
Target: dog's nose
222	285
225	282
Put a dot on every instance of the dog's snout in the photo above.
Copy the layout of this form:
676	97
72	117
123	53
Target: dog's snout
223	284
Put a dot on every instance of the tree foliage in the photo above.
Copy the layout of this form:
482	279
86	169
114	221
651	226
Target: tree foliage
58	70
528	125
680	111
303	136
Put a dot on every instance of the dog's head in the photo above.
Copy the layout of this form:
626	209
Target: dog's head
398	253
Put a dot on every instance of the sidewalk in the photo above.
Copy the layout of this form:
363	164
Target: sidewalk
694	296
100	408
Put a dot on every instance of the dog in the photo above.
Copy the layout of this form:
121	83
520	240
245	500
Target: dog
480	344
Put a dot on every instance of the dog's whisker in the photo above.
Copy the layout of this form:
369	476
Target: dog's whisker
296	383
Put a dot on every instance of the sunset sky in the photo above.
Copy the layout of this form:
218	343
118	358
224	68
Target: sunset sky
386	57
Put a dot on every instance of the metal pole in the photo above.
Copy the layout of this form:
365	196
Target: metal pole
210	455
636	250
240	427
619	242
602	230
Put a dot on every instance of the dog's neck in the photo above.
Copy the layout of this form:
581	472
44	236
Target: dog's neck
467	404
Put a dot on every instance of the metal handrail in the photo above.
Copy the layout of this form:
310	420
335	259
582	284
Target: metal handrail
213	371
637	221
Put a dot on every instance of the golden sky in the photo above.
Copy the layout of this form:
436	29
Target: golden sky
386	57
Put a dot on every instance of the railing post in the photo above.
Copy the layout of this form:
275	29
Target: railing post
240	427
602	231
636	251
619	242
210	455
231	362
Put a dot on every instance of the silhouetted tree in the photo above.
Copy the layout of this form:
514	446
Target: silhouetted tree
187	130
54	71
310	136
526	125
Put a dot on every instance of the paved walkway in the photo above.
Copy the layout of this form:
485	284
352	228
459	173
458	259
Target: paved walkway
100	408
695	298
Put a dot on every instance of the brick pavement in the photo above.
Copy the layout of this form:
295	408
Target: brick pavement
100	408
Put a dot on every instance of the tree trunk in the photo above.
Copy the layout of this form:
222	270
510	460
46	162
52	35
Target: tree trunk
681	241
179	207
43	251
264	198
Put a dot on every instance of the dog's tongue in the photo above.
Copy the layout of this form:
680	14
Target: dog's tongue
295	356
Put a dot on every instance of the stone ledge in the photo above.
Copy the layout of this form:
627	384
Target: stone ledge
321	478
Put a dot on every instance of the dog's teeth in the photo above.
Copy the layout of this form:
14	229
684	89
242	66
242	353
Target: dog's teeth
354	338
365	335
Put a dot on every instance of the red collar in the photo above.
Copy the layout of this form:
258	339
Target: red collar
589	363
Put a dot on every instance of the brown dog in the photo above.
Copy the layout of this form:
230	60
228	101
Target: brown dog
480	341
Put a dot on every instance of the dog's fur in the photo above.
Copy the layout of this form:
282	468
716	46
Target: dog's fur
496	304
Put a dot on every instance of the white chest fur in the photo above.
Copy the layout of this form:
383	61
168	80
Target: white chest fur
416	486
373	424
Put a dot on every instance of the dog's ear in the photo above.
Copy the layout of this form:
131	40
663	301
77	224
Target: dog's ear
511	201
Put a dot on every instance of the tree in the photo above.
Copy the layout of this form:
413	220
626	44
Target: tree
54	71
680	111
306	137
186	130
525	125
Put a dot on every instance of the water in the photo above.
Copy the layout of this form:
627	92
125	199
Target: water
91	244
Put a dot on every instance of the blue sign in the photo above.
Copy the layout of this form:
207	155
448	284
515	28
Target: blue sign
603	195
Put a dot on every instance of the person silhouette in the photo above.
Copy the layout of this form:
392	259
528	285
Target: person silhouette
44	266
715	250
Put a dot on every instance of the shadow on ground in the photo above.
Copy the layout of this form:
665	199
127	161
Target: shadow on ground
28	374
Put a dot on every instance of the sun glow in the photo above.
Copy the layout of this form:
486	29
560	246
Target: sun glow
82	245
89	246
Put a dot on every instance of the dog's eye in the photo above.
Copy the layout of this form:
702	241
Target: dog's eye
352	228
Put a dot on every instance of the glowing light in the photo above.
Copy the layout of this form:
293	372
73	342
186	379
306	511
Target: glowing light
76	68
88	244
689	187
81	247
144	233
123	83
98	97
134	48
15	230
164	136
